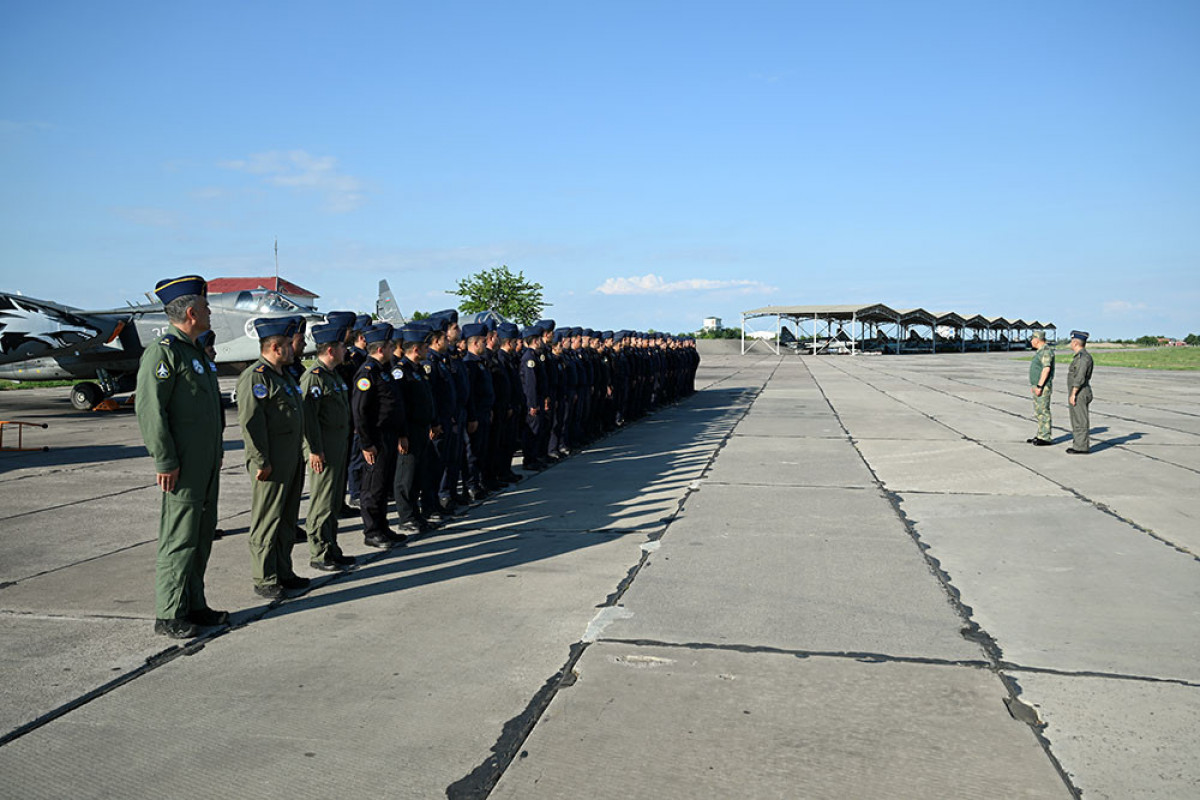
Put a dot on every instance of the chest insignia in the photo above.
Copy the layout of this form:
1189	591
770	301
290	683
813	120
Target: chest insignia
197	366
398	374
212	366
363	384
315	392
162	371
542	356
428	369
260	391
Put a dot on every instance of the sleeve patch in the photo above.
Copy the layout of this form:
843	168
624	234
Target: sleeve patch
363	384
530	363
162	371
260	391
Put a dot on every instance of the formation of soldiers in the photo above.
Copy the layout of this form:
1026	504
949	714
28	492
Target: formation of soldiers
428	417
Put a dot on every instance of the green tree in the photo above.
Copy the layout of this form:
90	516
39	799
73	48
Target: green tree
1192	339
500	290
417	314
1148	341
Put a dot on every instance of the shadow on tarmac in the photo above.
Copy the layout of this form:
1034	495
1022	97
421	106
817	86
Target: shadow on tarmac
551	515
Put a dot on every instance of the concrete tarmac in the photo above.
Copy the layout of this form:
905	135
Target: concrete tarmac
819	577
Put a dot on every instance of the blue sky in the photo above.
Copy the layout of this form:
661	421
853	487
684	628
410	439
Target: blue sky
648	163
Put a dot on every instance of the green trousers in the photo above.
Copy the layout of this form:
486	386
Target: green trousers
325	494
274	513
1041	410
186	525
1081	424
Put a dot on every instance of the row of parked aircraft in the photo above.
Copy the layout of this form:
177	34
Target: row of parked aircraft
42	340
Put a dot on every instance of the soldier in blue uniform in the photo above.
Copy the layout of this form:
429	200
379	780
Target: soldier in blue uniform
533	387
356	355
508	381
380	426
181	421
480	402
412	464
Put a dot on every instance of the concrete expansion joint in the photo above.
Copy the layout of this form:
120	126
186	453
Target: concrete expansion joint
865	657
1009	666
79	502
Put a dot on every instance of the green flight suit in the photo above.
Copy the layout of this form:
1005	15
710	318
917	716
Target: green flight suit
327	432
179	413
1042	358
271	413
1079	376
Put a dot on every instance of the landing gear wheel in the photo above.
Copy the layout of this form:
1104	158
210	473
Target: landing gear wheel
85	396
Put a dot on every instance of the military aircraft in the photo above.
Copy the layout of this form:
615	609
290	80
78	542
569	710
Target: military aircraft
46	341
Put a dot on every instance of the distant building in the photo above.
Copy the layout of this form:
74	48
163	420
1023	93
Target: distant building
293	292
711	324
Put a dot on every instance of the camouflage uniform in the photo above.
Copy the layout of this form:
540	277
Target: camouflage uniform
180	417
1041	403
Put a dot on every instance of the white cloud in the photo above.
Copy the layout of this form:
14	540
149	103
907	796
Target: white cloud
302	171
654	284
1123	307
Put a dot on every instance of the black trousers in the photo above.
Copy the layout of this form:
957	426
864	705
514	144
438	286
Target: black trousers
377	478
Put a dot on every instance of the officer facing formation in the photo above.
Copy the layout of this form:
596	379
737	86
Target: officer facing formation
1079	383
1041	383
271	413
181	421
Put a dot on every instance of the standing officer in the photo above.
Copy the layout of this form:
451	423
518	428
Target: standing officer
1041	382
326	432
356	356
412	462
481	400
180	417
270	410
379	425
533	387
1079	382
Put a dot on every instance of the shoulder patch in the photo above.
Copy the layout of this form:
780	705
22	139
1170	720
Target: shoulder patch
167	340
260	368
162	371
260	391
314	392
531	363
398	373
363	384
428	369
316	371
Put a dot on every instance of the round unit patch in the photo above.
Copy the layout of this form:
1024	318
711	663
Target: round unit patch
398	374
363	384
260	391
428	369
530	363
197	366
315	392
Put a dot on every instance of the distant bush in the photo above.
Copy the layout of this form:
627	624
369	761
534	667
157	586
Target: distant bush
1192	339
720	333
1148	341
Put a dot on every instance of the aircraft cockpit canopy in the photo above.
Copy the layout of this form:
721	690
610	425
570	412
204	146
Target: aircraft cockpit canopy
263	301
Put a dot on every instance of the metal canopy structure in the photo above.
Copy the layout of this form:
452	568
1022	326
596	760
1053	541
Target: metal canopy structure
875	327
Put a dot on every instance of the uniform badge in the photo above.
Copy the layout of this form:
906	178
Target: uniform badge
162	371
363	384
196	365
315	392
212	366
398	374
542	356
428	369
260	391
530	363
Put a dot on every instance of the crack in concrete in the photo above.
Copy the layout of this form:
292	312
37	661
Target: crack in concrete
971	631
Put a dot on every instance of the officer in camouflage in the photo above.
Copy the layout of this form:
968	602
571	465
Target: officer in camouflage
1041	382
181	421
270	410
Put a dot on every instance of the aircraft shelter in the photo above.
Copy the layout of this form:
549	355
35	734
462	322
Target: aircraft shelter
876	328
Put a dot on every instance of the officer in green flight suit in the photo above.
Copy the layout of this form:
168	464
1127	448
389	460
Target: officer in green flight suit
326	436
181	421
1079	383
270	410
